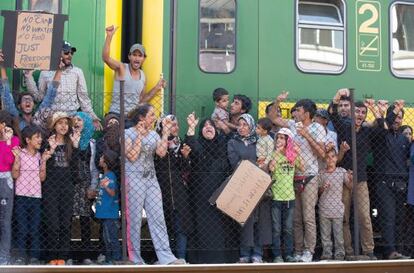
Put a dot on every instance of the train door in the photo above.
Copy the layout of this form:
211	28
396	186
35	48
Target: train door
216	46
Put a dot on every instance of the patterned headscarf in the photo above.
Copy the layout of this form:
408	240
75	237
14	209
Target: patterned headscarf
174	142
252	137
87	131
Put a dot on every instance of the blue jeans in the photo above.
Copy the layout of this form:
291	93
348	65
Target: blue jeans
6	211
391	212
250	252
27	212
282	213
180	237
110	235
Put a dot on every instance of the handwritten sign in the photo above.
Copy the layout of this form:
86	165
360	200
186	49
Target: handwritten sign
33	41
243	191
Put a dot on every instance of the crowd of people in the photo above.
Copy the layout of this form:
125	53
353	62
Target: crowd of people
53	168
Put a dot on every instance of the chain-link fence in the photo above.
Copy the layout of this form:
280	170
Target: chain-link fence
340	180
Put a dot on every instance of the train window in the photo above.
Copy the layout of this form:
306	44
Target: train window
320	36
45	5
402	42
217	36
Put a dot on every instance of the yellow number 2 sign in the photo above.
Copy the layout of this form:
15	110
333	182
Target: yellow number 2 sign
368	24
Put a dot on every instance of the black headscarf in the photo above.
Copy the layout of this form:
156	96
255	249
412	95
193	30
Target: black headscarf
212	146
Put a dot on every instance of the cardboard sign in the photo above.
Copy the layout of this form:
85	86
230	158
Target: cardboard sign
32	40
240	194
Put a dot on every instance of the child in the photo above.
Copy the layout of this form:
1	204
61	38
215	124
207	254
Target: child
107	206
29	170
58	188
331	208
264	146
221	99
220	115
9	140
285	159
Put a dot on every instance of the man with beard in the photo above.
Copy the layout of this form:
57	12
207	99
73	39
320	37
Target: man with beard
363	136
72	93
310	137
390	160
135	81
241	105
25	104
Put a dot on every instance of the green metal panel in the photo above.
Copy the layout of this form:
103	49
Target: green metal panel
277	60
5	5
85	30
194	87
266	57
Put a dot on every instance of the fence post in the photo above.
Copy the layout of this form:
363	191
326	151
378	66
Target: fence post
122	157
354	173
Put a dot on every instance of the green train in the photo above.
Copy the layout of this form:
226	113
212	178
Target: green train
253	47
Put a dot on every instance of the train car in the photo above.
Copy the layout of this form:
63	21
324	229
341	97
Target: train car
308	47
253	47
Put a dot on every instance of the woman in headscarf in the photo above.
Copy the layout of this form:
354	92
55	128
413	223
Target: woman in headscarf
85	174
209	168
172	173
256	232
142	143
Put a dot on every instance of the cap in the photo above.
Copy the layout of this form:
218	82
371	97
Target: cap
285	131
66	46
58	116
137	47
322	113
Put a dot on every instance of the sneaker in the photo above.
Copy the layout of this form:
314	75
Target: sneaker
339	257
325	257
278	259
307	256
371	256
52	262
244	260
69	262
257	260
298	257
60	262
19	261
87	262
397	256
101	259
178	262
290	259
34	261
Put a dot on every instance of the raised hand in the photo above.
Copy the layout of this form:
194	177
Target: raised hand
161	84
370	103
344	147
142	131
75	137
185	150
16	151
399	104
282	96
46	155
52	143
110	31
382	106
7	134
192	121
343	92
